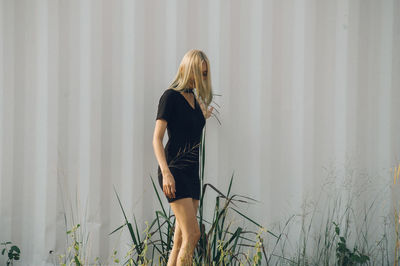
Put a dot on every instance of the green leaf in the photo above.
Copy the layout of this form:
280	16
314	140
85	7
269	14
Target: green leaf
248	218
117	229
15	248
337	230
77	261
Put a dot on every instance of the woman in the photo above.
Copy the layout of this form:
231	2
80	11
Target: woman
183	113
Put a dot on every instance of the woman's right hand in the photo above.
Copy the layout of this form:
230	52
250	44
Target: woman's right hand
169	185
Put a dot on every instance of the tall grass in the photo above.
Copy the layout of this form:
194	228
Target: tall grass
220	243
223	244
355	238
77	237
333	229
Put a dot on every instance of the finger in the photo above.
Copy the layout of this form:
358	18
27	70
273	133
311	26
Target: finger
168	191
173	191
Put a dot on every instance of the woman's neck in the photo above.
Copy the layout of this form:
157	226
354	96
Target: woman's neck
188	90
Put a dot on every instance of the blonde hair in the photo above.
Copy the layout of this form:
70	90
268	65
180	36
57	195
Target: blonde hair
191	64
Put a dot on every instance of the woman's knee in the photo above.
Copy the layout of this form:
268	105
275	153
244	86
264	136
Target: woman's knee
193	235
197	236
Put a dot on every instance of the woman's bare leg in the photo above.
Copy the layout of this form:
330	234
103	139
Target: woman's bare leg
177	245
178	238
195	205
186	216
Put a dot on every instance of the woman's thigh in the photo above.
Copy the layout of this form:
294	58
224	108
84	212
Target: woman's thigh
195	205
185	214
178	231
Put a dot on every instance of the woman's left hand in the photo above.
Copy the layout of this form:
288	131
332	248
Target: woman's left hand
206	113
209	112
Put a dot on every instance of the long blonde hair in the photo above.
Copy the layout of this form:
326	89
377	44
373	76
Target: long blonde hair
191	64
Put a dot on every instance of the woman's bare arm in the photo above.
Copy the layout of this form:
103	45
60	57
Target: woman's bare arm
168	179
158	136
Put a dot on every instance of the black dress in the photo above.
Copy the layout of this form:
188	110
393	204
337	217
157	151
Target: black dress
184	127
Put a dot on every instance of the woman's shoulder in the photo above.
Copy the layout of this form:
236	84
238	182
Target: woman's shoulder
169	92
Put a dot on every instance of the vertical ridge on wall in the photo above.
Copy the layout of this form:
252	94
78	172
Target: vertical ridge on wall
64	98
116	80
395	82
254	101
53	89
297	100
226	56
141	90
266	141
126	187
384	161
2	93
323	89
26	147
308	130
340	87
214	56
352	83
3	183
84	95
385	84
41	89
95	120
172	38
106	116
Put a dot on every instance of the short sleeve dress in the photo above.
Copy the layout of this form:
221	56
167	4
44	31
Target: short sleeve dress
184	126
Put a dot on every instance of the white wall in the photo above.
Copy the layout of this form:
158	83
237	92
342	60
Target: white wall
306	86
